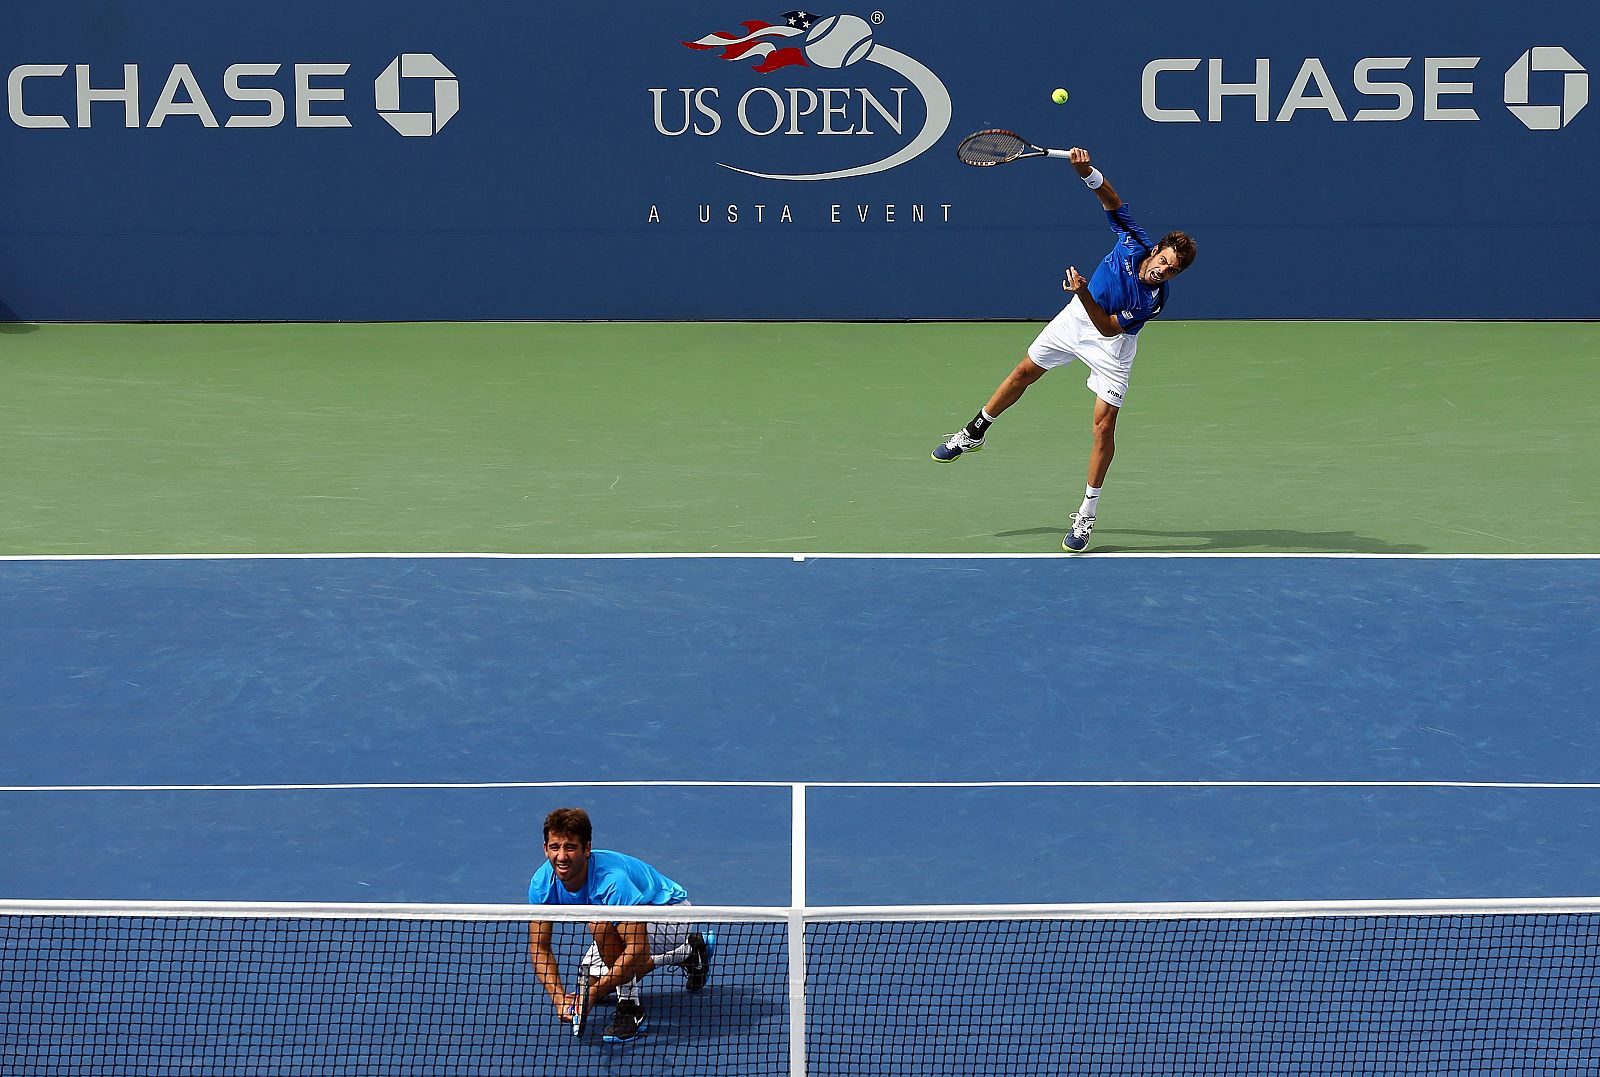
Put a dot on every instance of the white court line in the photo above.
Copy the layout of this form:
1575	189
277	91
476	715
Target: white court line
709	784
1131	555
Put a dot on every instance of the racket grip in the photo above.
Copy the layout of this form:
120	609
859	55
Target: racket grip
1058	153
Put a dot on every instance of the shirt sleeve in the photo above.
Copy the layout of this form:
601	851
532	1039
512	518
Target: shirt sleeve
1126	228
539	886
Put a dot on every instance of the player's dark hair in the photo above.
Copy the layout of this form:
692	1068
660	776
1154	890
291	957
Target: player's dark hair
1182	245
569	822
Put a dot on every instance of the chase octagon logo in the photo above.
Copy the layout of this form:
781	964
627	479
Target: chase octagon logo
805	40
1574	88
423	66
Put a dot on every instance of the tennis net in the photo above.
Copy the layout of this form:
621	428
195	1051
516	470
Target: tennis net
1332	988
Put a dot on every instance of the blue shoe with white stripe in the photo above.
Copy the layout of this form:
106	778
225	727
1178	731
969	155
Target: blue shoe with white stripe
959	442
1077	540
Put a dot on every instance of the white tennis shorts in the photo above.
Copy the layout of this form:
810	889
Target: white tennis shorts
1071	335
669	945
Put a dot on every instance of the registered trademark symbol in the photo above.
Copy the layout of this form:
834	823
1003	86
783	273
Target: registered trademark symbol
877	18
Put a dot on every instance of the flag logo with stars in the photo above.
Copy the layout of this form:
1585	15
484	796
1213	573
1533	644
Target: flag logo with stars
768	42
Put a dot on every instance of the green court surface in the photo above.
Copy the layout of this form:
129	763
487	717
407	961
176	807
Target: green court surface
732	437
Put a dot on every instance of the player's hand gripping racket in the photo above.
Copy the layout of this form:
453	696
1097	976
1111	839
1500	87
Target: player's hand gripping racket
580	1010
987	148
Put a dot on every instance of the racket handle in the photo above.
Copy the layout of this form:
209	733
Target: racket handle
1058	153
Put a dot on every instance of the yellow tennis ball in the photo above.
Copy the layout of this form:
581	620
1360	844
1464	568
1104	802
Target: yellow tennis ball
1058	96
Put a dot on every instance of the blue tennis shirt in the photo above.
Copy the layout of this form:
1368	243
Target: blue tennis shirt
613	879
1116	285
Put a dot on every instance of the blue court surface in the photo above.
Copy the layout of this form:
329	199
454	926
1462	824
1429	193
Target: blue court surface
460	683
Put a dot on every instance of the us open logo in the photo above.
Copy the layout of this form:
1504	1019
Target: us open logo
828	44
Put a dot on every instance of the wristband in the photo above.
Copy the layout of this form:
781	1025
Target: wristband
1094	179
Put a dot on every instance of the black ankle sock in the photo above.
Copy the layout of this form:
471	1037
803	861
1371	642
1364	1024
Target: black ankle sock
978	425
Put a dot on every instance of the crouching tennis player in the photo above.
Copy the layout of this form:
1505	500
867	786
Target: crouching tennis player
1100	326
621	953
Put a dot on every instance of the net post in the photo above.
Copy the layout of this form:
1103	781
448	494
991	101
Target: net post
797	931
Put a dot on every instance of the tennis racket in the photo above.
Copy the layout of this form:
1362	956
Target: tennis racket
580	1014
987	148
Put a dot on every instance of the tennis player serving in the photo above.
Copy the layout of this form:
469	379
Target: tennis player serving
575	873
1100	327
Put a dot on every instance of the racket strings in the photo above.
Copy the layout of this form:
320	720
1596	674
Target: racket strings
990	148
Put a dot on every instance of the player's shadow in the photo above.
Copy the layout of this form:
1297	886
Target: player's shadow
1234	541
723	1016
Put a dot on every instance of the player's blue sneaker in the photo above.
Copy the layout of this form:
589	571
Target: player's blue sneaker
697	970
959	442
1077	540
628	1022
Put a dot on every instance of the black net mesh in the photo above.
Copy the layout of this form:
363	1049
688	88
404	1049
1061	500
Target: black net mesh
1320	995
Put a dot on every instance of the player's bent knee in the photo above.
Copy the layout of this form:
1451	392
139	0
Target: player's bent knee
1027	373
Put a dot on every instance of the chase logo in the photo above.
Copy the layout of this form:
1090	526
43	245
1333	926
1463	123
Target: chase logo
1380	88
446	94
246	95
1574	88
804	41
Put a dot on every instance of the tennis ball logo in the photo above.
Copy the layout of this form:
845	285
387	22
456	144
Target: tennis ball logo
446	94
838	41
1574	88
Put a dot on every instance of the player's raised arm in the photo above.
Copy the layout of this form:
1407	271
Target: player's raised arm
1103	190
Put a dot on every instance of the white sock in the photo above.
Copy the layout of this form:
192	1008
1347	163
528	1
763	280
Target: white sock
1091	498
678	955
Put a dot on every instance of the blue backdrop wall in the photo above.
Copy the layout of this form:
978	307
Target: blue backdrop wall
397	159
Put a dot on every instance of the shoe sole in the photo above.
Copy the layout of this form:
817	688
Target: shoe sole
957	456
627	1039
710	939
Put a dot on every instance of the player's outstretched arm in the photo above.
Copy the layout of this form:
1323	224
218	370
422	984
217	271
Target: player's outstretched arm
545	966
1109	198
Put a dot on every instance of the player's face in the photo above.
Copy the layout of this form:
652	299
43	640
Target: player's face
569	859
1160	266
